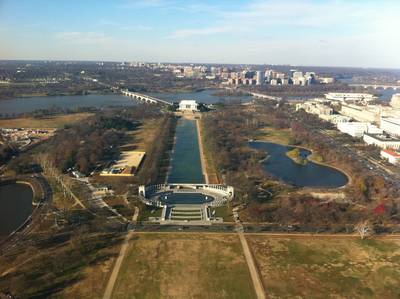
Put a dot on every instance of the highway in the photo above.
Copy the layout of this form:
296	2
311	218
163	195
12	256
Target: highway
368	160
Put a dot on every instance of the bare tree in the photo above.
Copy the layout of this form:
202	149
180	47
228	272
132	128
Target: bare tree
363	229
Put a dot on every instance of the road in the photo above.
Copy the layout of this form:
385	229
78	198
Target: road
367	160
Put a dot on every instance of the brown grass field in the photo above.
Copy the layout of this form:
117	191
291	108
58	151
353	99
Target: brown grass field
184	266
318	267
281	136
57	122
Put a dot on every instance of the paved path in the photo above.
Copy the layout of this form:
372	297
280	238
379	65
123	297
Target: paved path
255	277
120	259
202	158
117	267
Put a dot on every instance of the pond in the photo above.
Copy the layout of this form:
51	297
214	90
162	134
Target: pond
185	198
16	206
185	160
309	175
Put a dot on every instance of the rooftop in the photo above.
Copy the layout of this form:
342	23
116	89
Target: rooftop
392	153
383	137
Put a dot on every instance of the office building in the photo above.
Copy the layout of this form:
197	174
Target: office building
355	129
259	78
384	141
350	97
391	125
395	102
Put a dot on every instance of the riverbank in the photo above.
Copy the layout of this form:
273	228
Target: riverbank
61	94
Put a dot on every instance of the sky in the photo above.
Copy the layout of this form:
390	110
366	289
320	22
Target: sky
360	33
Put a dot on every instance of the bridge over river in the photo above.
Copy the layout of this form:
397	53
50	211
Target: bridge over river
144	98
376	86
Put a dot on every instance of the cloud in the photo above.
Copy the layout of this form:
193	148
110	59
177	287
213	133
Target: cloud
186	33
83	38
135	4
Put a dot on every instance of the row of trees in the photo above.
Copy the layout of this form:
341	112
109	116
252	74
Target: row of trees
226	134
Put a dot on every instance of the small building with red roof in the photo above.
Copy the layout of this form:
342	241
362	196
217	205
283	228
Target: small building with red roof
391	155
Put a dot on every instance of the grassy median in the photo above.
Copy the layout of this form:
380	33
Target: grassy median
184	266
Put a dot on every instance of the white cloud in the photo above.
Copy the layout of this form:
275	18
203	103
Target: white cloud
185	33
136	4
85	38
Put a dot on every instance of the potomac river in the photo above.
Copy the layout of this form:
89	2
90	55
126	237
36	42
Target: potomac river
30	104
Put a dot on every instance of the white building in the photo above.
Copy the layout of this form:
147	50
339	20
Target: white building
335	118
382	140
188	105
361	113
391	125
391	155
350	97
326	80
315	107
395	102
355	129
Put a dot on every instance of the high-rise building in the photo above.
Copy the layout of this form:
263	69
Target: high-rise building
259	78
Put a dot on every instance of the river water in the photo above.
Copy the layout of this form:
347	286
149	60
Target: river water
309	175
25	105
207	96
15	206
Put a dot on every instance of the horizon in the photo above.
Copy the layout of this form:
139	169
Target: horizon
360	34
198	63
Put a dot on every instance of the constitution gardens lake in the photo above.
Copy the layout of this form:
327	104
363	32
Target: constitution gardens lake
15	206
284	168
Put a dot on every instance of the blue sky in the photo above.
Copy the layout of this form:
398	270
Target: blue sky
332	33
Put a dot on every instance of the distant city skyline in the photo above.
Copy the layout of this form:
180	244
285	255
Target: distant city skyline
315	33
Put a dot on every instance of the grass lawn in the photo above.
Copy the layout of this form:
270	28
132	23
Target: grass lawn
144	137
184	266
281	136
305	267
146	211
59	267
224	212
58	121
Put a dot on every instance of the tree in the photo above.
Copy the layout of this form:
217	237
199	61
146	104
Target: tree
363	229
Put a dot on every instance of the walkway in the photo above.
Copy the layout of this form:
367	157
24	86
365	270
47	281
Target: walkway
120	259
202	157
255	277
